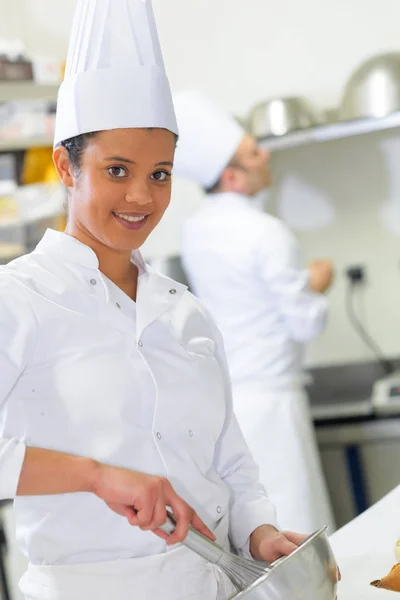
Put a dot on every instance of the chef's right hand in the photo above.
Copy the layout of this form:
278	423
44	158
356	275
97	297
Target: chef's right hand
321	275
143	499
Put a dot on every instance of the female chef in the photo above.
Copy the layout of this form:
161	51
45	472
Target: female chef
114	397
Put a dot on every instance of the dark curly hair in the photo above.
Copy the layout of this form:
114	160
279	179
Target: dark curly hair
75	147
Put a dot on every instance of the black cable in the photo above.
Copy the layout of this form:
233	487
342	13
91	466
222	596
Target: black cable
386	364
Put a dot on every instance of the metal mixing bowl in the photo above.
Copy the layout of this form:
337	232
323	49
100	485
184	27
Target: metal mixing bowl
279	116
309	573
373	90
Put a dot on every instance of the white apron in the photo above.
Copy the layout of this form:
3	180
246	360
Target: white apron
179	574
278	429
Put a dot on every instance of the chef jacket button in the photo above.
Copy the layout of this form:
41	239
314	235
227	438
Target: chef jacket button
117	304
219	510
172	291
190	433
93	281
140	343
159	436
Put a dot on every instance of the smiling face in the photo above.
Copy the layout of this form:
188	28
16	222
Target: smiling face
121	188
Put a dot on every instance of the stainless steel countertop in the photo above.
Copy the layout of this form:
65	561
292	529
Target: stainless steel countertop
358	433
339	408
344	391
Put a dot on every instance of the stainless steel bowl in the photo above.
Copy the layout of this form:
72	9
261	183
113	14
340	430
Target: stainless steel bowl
373	90
310	573
279	116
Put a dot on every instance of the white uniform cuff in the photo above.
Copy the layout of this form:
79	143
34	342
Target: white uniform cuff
246	520
12	454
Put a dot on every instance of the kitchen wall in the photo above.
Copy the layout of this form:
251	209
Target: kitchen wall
241	51
354	187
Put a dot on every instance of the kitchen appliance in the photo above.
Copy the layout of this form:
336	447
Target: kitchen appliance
373	90
309	573
386	394
279	116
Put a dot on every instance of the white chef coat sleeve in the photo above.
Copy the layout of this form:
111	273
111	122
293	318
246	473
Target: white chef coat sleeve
250	506
17	339
287	284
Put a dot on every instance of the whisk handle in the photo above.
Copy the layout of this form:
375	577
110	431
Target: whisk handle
196	541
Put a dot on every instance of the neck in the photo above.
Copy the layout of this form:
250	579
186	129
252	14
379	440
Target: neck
115	264
228	191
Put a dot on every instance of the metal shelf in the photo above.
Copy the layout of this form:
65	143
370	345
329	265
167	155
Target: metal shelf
333	131
27	90
25	143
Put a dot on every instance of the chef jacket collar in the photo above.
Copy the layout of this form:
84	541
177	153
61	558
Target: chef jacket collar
77	252
156	293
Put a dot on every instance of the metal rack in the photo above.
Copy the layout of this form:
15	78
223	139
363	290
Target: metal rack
332	131
25	143
26	90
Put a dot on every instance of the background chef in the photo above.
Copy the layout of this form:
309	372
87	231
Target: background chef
244	265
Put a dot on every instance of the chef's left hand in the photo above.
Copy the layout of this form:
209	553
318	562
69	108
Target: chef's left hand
269	544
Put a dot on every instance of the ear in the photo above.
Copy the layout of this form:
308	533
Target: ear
228	177
232	180
63	166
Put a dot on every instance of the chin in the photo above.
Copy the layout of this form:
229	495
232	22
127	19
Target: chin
132	242
123	241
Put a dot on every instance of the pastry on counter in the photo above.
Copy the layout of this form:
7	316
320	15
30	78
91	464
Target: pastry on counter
391	581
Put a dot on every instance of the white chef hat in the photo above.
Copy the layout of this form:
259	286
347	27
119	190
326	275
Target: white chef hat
115	76
208	138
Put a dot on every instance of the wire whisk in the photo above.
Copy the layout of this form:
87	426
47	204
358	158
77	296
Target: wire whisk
242	572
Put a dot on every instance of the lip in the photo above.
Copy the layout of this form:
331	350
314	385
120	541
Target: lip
132	225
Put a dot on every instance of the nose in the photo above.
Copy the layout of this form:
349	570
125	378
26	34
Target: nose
139	193
266	154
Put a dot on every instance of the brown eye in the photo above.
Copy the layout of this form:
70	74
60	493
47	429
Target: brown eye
117	172
161	176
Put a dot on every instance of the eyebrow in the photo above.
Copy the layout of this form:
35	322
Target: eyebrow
165	163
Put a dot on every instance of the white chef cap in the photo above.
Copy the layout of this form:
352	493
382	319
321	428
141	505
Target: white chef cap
115	76
208	138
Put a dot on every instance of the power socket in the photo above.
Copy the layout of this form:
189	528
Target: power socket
356	274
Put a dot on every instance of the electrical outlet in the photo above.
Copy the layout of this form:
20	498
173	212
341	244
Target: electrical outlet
356	273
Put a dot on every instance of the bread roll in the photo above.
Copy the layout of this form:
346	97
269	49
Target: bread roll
391	581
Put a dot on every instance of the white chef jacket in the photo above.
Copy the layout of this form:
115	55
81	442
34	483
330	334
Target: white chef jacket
143	385
244	266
